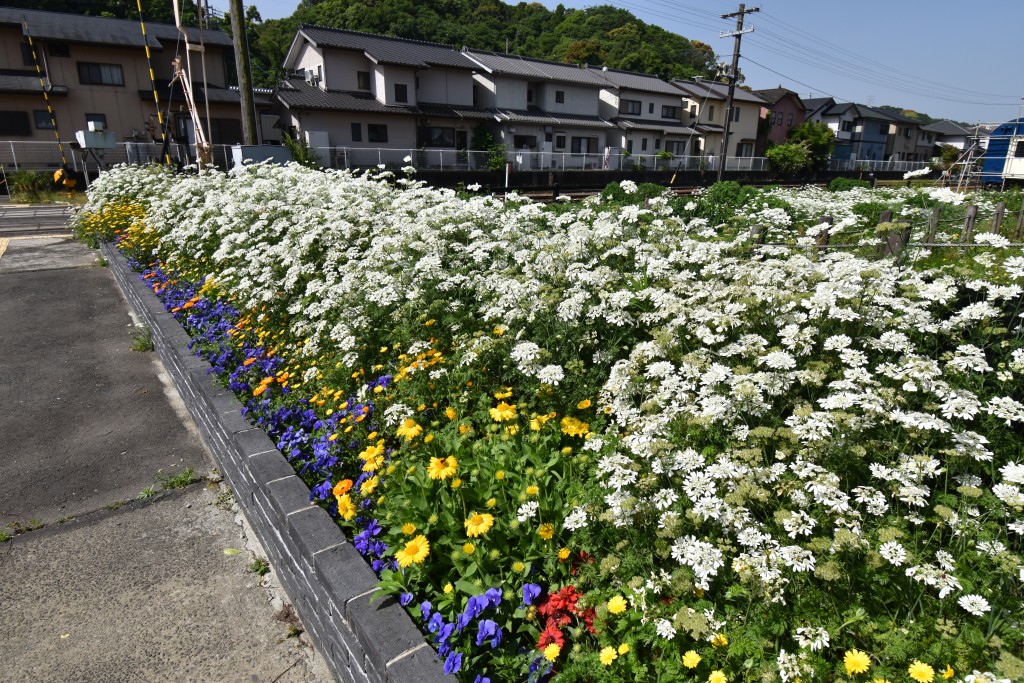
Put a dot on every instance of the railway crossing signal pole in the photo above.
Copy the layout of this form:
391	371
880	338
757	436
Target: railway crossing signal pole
733	74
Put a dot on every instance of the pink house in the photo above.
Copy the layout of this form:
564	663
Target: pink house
784	109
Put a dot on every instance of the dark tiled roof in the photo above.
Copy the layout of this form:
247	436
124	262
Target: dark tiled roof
537	115
514	65
773	95
660	126
387	50
103	30
28	84
168	94
815	103
636	81
298	94
701	89
946	128
709	129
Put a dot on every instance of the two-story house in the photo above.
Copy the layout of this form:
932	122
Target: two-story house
902	143
353	90
547	111
861	132
95	71
948	133
782	110
705	104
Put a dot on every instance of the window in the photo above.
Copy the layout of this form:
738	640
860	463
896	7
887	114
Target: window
771	119
745	149
629	146
643	144
376	132
520	141
433	136
43	120
357	132
584	145
99	119
650	108
693	111
711	112
529	94
100	74
225	131
1018	151
548	137
363	80
907	132
883	128
846	126
778	119
735	114
417	84
560	96
15	123
559	142
668	112
789	120
401	92
628	107
58	49
26	55
657	143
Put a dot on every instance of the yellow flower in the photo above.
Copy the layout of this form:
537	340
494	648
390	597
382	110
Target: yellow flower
552	651
448	588
499	330
468	548
856	662
691	659
948	672
368	486
450	413
518	566
608	655
478	524
584	404
414	552
442	468
503	412
491	502
499	475
546	531
717	676
456	483
346	508
532	490
881	680
574	427
921	672
408	528
719	640
504	393
409	429
428	438
563	554
430	322
617	605
624	648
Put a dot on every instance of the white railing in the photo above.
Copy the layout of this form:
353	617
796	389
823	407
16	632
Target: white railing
873	165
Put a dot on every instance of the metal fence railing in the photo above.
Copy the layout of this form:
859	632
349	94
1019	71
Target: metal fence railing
38	156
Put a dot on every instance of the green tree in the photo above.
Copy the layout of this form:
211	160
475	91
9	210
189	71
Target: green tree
790	159
819	140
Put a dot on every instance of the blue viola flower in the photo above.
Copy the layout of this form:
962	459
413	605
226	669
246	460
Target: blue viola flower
425	608
404	599
531	591
489	630
453	663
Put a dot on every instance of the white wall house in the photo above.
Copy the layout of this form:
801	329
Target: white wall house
705	104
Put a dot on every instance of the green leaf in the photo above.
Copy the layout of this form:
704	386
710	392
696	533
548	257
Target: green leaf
232	551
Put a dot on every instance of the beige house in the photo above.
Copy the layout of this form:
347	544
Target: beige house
705	102
95	71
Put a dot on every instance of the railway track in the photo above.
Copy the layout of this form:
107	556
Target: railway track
45	219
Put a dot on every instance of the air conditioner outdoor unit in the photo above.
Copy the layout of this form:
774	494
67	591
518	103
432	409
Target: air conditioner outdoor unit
312	78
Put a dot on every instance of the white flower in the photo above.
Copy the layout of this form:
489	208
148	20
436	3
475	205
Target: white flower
527	510
665	629
919	172
893	552
551	374
975	604
577	519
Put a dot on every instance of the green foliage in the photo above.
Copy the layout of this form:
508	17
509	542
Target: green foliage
259	566
789	159
820	141
27	187
301	152
719	203
142	338
483	140
178	481
949	155
870	211
844	184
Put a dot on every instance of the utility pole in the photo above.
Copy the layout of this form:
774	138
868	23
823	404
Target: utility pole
733	74
241	41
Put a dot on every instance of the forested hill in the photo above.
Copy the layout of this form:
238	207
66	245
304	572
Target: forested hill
602	35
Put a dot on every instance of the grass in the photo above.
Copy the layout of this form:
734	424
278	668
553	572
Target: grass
149	492
12	529
142	339
178	481
225	500
259	566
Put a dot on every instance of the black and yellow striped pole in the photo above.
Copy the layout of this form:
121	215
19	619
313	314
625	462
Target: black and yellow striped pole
156	96
46	94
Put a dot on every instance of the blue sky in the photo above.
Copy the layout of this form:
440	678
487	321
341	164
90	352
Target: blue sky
947	58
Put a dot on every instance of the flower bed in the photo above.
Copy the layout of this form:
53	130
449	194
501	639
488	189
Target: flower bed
616	441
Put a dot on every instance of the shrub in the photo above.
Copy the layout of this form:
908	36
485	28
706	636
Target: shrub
789	159
844	184
27	187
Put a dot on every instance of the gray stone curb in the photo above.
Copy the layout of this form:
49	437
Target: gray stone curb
325	578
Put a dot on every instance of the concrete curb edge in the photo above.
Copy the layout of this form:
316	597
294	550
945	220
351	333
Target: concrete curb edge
324	577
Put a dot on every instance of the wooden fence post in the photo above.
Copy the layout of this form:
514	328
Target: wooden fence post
757	233
997	219
824	236
972	216
933	225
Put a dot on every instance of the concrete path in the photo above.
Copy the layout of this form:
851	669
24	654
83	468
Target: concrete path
96	583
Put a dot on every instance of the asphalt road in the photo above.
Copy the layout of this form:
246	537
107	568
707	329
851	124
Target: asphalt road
96	583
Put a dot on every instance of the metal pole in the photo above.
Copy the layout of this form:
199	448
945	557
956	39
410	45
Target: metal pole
738	33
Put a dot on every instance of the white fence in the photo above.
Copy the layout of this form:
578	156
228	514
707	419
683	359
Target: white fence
41	156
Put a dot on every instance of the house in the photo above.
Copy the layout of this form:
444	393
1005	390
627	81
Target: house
949	133
783	109
550	112
862	133
705	102
902	142
96	72
351	90
649	115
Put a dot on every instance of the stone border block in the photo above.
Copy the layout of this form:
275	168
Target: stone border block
326	580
